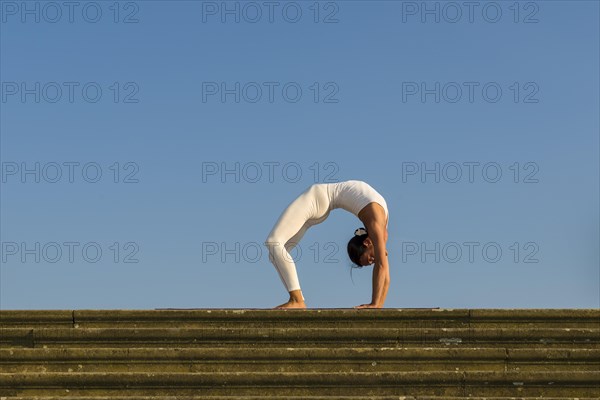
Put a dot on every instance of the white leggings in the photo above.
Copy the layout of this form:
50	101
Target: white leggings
310	208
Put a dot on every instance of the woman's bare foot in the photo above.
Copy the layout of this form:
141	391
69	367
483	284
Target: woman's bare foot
291	304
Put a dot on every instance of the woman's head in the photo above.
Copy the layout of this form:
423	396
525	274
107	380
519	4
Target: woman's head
360	248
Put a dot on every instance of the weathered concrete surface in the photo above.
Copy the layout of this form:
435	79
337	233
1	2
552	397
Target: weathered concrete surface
417	354
330	337
405	317
275	397
295	359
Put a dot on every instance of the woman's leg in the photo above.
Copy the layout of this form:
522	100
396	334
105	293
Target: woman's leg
292	274
289	229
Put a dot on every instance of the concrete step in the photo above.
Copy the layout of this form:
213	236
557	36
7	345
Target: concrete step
359	359
333	397
256	318
531	337
582	383
437	354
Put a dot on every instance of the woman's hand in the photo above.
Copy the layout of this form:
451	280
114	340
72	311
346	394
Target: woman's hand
370	305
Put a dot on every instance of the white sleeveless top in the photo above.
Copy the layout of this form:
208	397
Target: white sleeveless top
354	195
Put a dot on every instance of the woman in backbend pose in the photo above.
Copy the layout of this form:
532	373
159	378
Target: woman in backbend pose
368	246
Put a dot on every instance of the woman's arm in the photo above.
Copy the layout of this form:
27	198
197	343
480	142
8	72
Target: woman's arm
381	271
374	218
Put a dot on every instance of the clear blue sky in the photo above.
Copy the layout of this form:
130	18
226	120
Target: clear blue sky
145	94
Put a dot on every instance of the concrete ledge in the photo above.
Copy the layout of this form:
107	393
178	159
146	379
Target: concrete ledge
36	317
410	317
199	379
330	336
333	397
409	354
191	354
444	383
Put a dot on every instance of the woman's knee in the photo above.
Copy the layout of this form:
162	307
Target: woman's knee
273	240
